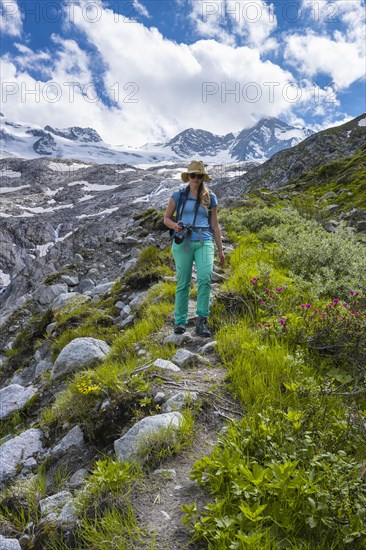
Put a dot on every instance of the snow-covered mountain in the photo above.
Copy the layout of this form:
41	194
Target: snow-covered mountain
266	138
258	143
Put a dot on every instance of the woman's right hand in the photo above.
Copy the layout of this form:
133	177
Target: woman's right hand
177	227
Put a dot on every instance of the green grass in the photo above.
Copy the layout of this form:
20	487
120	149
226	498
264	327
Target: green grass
288	474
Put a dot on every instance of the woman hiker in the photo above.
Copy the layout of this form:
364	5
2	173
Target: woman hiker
196	223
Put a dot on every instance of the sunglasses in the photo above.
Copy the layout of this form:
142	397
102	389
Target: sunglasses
193	175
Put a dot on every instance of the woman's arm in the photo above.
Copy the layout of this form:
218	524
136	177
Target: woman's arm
168	216
215	226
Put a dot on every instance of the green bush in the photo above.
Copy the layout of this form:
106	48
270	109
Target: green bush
270	484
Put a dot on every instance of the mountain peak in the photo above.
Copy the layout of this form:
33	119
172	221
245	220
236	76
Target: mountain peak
76	133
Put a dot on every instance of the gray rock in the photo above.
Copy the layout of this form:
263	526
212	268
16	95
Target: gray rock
178	339
78	259
77	479
9	544
130	240
101	288
50	328
209	347
68	515
74	439
65	297
125	311
330	228
128	446
52	506
128	321
86	284
14	398
332	207
45	294
185	358
70	281
178	401
138	300
15	452
159	397
130	264
78	354
43	366
30	465
119	305
166	365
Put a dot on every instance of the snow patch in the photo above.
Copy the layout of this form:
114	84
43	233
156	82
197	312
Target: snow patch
10	174
43	248
93	186
50	193
102	213
289	134
147	198
362	122
5	278
41	210
11	189
86	198
24	215
63	167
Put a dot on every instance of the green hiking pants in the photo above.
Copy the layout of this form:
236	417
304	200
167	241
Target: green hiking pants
202	254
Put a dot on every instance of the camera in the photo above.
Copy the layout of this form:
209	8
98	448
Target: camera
181	235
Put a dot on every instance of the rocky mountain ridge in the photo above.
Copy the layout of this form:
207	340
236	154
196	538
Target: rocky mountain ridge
258	143
321	148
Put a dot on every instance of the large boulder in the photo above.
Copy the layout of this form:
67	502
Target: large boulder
14	398
128	446
9	544
16	451
45	294
79	354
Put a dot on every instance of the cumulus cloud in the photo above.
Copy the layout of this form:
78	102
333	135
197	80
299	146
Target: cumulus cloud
235	22
155	87
11	18
313	54
337	51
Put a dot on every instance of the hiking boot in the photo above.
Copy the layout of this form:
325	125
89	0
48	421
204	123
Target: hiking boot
202	328
179	329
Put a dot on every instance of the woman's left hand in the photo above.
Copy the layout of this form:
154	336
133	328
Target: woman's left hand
222	258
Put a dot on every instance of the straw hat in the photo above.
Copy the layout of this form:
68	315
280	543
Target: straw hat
196	167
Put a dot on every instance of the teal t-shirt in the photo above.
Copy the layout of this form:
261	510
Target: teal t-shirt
202	215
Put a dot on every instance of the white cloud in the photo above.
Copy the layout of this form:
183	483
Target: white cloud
338	49
313	54
11	18
140	8
158	87
235	22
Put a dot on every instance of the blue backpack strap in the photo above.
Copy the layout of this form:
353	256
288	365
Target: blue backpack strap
183	195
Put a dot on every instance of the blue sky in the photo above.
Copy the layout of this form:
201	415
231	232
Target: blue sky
141	71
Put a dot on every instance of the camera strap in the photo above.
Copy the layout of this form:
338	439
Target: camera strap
188	238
